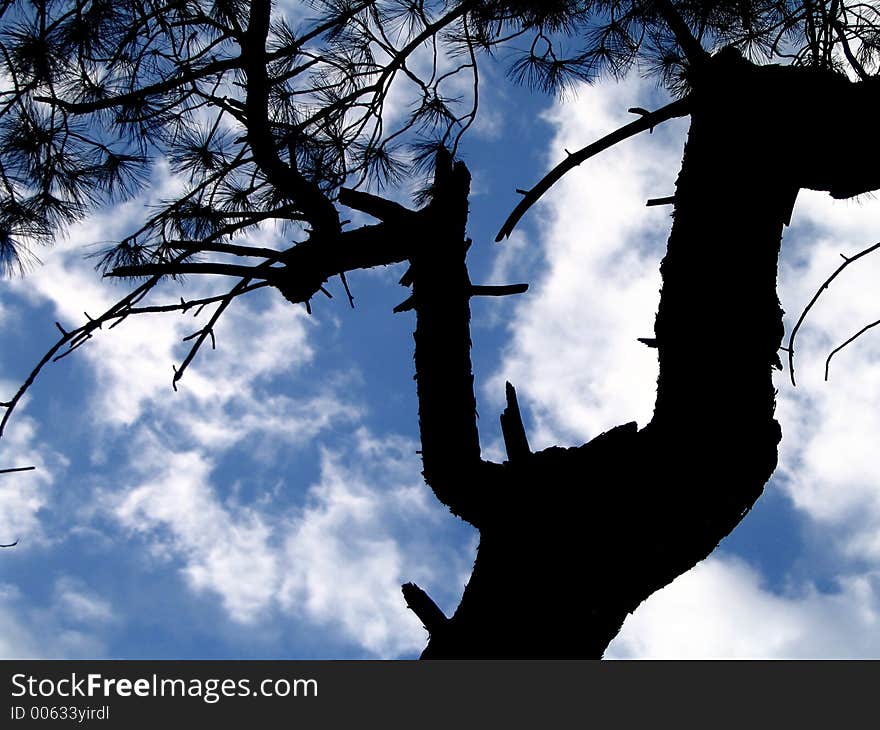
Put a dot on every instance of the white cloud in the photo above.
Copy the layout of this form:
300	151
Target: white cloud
62	629
222	547
722	609
15	641
366	523
79	603
345	562
574	355
23	495
337	561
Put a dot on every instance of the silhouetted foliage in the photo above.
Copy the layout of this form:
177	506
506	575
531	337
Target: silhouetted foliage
267	118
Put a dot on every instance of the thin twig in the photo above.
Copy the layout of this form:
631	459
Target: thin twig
847	342
846	262
207	330
119	312
80	333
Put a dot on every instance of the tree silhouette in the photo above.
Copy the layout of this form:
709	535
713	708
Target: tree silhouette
270	120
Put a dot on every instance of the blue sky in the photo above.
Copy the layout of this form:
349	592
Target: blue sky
273	506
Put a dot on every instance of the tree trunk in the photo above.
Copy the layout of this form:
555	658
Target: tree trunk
574	539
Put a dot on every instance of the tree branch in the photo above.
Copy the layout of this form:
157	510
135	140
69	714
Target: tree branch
847	342
694	52
421	604
500	290
177	269
846	262
444	374
379	208
847	52
161	87
648	121
315	206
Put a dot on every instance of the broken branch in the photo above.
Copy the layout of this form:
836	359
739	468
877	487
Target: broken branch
515	440
421	604
482	290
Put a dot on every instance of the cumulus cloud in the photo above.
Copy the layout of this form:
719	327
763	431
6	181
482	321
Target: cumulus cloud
161	481
723	609
222	547
336	561
334	555
352	548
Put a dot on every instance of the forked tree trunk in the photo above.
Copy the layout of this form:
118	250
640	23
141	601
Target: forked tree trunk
572	540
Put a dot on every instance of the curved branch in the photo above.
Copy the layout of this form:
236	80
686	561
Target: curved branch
690	46
847	52
847	342
187	75
74	338
846	262
315	206
679	108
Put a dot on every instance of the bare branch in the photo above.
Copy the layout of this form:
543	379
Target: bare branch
847	51
380	208
17	468
503	290
847	342
678	108
668	200
236	250
421	604
74	338
846	262
178	269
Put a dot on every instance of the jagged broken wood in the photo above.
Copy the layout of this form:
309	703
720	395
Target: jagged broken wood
421	604
516	442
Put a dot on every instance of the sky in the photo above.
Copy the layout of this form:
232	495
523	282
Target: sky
273	506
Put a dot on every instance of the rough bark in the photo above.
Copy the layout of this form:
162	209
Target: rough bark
574	539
